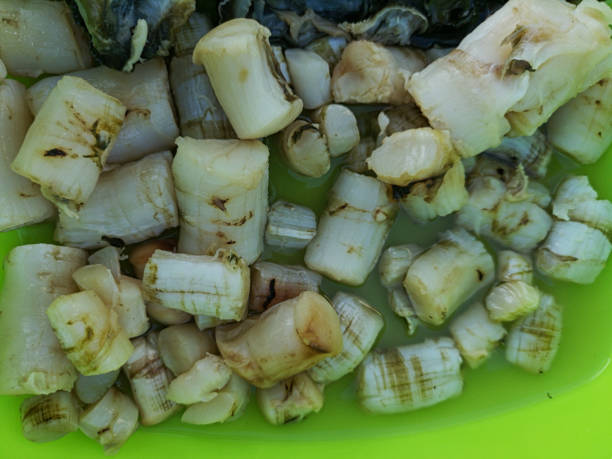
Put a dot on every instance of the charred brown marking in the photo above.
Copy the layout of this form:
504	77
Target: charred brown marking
271	294
480	275
219	203
10	22
55	153
338	209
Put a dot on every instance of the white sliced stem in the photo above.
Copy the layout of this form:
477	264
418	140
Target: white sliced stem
309	77
99	279
131	308
90	389
181	346
509	300
395	261
290	226
513	266
339	126
201	383
49	417
305	150
400	304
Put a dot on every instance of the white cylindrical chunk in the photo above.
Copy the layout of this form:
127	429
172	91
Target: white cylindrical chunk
90	389
577	200
309	77
181	346
533	152
67	145
272	284
131	308
88	331
283	341
110	421
149	380
339	126
149	125
447	274
130	204
40	36
99	279
31	359
215	285
290	226
510	300
49	417
290	400
394	263
20	200
475	334
201	383
360	325
370	73
109	257
352	230
305	150
227	406
239	62
513	266
228	209
412	155
533	341
400	304
581	128
573	252
410	377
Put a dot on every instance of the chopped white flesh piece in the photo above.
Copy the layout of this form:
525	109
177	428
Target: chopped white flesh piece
305	150
40	36
352	229
49	417
131	308
283	341
533	152
201	383
573	252
290	400
371	73
512	266
309	77
31	359
167	316
66	146
510	300
576	200
412	155
394	263
476	334
400	304
181	346
290	226
88	331
447	274
272	284
240	64
410	377
100	280
130	204
109	257
215	285
90	389
360	325
533	340
339	126
228	209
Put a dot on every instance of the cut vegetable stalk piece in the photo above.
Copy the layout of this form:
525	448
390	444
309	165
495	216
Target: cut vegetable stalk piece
339	126
290	400
400	304
40	36
447	274
283	341
436	197
89	333
510	300
581	128
370	73
149	125
272	284
290	226
532	152
228	209
130	204
110	258
66	146
199	284
512	266
140	254
149	380
410	377
181	346
533	341
131	308
476	334
49	417
412	155
111	420
239	62
573	252
90	389
394	263
577	200
101	281
305	150
201	383
31	359
352	230
225	407
20	200
360	325
309	77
